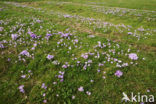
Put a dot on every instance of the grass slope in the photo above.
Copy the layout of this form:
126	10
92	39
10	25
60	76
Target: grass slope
88	46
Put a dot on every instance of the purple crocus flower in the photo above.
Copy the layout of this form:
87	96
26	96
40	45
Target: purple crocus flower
64	66
1	45
44	94
60	76
45	101
133	56
76	40
80	89
44	86
38	21
1	29
23	76
25	52
49	57
33	35
118	73
85	56
48	35
21	88
61	80
14	36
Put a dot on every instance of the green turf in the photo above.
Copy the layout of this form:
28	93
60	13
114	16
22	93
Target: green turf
82	19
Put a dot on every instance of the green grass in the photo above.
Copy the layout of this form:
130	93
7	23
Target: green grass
133	4
137	77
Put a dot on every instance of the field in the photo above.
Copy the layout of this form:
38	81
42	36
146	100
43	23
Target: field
77	51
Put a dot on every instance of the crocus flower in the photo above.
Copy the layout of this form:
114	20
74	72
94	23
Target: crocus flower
25	52
88	93
76	40
21	88
49	57
23	76
85	56
48	35
44	101
44	86
133	56
80	89
33	35
73	97
118	73
1	29
64	66
14	36
130	33
1	45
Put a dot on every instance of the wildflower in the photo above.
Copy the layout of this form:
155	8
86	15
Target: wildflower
23	76
85	56
38	21
54	83
118	73
133	56
90	61
14	36
1	45
21	88
80	89
76	40
67	16
98	70
64	66
25	52
1	29
88	93
49	57
44	101
130	33
44	86
91	81
48	35
44	94
60	76
103	77
33	35
61	72
9	59
61	80
148	90
73	97
55	62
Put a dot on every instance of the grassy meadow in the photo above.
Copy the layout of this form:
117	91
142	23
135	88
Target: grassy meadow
77	51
